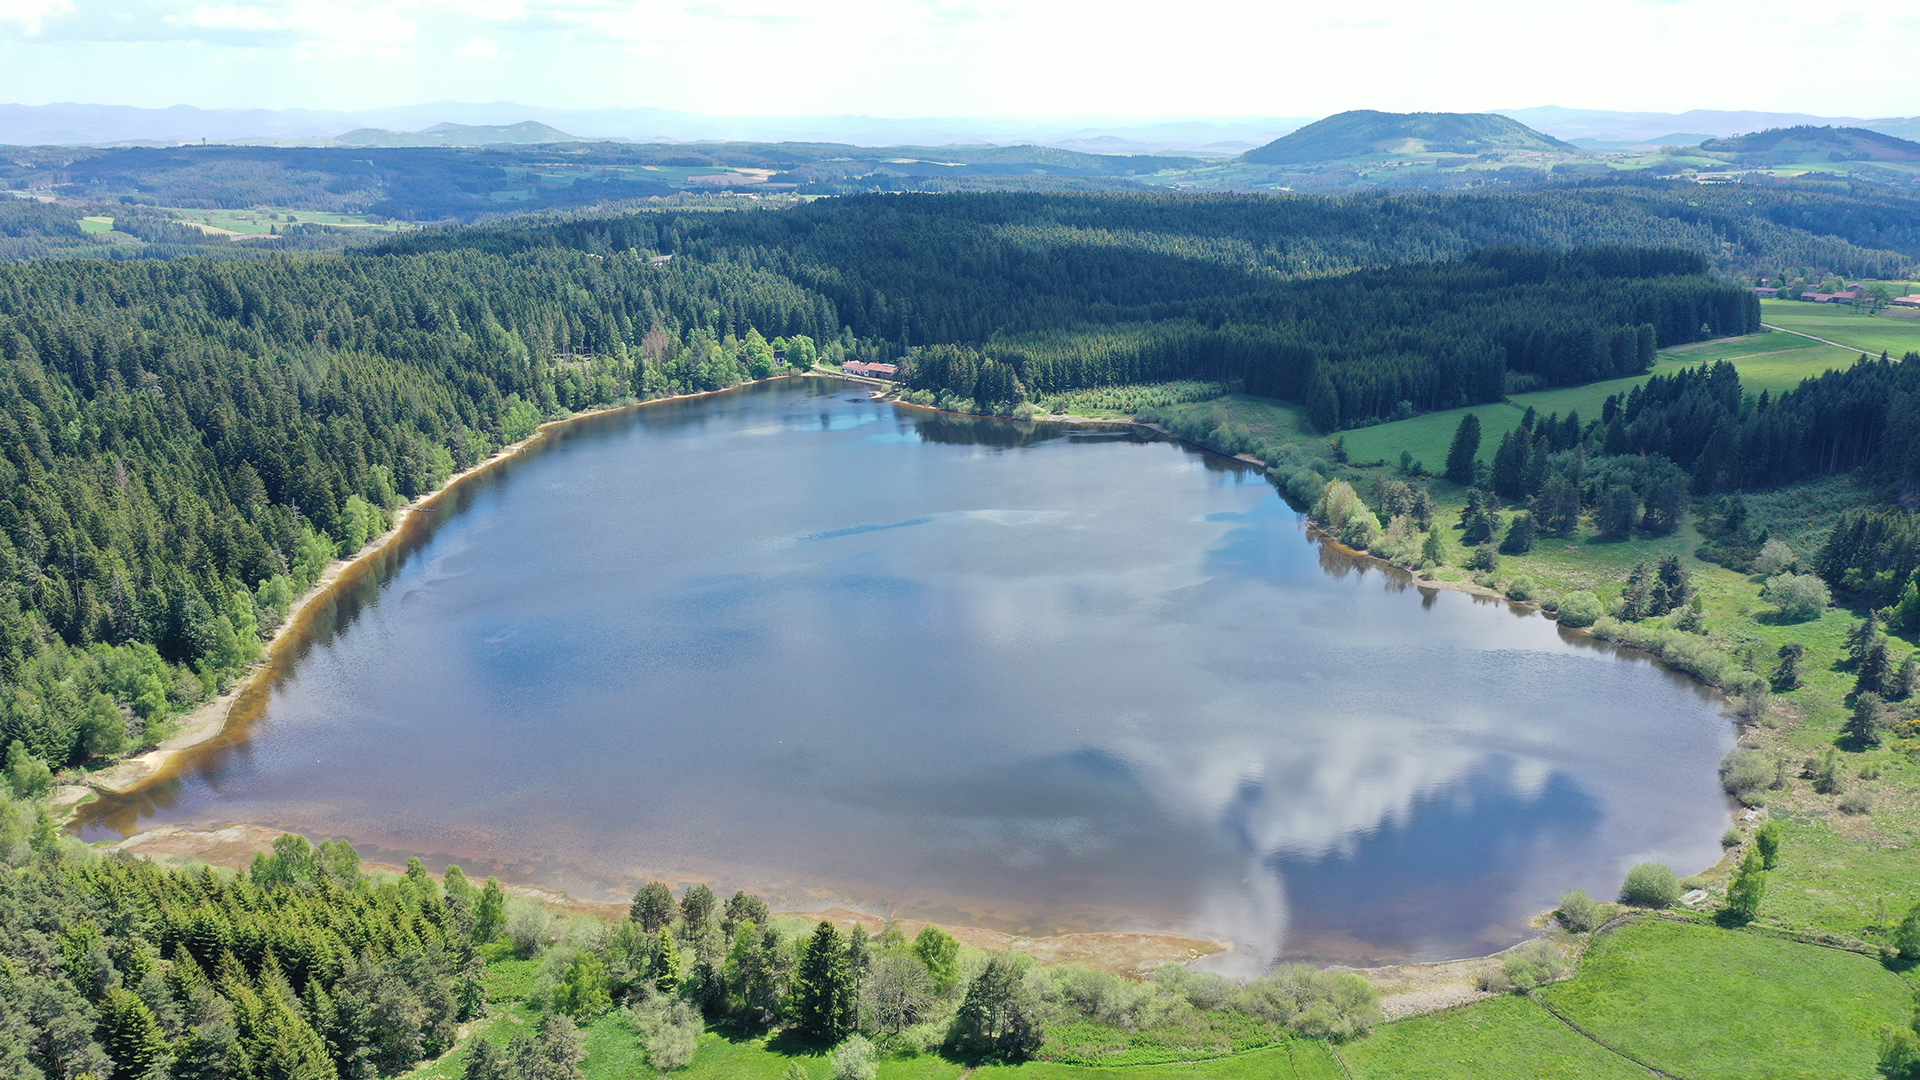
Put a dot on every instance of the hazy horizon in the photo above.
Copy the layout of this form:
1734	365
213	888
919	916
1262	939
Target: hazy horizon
926	59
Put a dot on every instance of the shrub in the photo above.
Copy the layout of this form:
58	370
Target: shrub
1767	842
1521	588
1774	558
1744	773
1857	801
1906	937
529	926
1536	963
1580	609
1798	596
1747	889
854	1059
1318	1004
1900	1051
1732	837
669	1031
27	775
1578	911
1650	884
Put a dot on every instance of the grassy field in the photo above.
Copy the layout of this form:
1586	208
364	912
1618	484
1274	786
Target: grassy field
1766	361
1498	1039
1715	1004
1302	1060
1695	1000
1850	326
258	222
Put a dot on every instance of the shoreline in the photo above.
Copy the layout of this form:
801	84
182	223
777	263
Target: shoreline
208	721
211	720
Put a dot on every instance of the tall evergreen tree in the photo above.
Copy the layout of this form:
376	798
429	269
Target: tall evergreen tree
1464	454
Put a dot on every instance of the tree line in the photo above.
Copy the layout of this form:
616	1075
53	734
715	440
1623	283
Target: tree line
184	446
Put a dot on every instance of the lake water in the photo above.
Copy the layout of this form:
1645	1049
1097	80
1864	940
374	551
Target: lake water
838	651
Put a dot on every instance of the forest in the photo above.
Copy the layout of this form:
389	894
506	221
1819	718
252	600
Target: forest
188	443
305	967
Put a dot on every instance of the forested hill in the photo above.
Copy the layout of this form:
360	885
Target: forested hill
1361	132
1779	146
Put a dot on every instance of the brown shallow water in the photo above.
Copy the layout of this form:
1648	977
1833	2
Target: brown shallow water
792	640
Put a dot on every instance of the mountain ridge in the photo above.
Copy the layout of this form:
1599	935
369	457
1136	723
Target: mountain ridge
1365	132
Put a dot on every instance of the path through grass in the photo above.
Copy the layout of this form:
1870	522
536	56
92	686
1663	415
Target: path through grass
1714	1004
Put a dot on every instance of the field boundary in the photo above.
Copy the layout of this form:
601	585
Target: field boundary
1810	337
1597	1040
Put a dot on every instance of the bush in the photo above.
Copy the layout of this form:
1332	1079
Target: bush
1857	801
1650	884
1732	837
854	1059
1521	589
1580	609
1906	937
1744	773
669	1031
529	927
1484	558
1900	1053
1536	963
1318	1004
1578	911
1774	558
28	776
1798	596
1766	840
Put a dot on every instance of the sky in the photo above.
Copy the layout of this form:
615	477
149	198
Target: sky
966	58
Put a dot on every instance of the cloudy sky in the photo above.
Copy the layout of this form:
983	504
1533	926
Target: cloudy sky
1011	58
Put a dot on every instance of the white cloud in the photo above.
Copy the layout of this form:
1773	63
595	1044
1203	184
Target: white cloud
970	57
30	13
478	49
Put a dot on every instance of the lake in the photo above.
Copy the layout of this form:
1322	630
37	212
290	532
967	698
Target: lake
1029	677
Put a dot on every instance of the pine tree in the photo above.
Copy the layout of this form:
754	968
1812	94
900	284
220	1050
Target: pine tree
130	1034
1465	451
1671	587
652	906
823	992
490	914
1748	887
1787	675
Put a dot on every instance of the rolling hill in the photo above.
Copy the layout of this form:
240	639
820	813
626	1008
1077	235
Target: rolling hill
1806	144
1365	132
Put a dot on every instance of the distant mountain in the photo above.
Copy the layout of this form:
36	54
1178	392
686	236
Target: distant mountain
1638	128
1805	144
1364	132
525	133
69	124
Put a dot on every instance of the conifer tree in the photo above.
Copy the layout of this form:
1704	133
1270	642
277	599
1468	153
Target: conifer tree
1464	453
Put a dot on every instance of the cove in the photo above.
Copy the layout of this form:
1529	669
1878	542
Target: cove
1030	677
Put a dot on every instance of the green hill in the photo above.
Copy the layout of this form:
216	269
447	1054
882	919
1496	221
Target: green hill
1365	132
1805	144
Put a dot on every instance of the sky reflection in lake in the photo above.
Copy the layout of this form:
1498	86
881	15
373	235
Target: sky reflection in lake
792	640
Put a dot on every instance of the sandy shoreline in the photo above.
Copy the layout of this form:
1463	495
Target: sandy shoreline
1407	989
